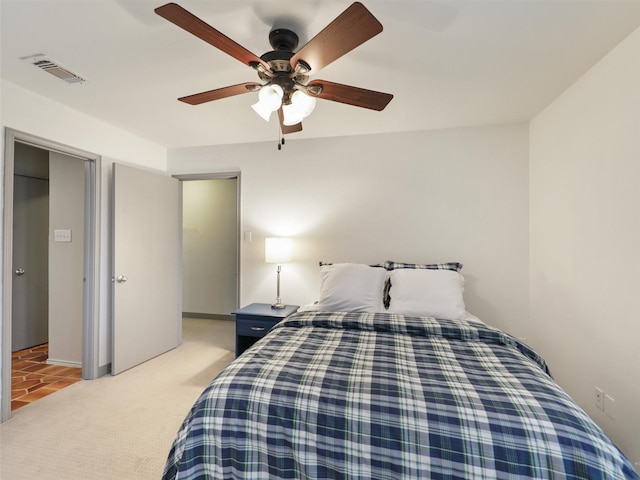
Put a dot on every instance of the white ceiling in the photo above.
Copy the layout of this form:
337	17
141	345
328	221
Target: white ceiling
448	63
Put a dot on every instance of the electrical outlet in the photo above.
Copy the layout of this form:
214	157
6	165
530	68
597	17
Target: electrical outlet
609	406
599	398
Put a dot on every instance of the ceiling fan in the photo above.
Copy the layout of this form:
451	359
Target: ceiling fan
286	88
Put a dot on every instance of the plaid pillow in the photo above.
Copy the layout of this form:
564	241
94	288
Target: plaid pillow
455	266
386	297
377	265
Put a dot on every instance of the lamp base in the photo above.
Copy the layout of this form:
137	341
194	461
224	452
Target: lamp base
278	305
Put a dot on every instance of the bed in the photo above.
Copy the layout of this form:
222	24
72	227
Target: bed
345	393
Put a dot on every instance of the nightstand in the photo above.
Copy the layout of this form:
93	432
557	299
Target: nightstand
254	321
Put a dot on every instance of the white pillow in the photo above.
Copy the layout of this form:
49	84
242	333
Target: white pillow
351	287
433	293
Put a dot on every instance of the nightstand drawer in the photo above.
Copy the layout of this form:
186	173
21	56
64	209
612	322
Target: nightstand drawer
254	328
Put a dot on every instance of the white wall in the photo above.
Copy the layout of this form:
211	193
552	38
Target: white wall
449	195
27	112
66	268
210	246
585	239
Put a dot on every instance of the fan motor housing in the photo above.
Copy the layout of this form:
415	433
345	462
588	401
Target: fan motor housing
283	42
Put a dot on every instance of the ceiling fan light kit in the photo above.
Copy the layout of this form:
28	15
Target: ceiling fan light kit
286	88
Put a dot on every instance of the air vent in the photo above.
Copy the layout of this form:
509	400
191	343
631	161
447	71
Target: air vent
54	69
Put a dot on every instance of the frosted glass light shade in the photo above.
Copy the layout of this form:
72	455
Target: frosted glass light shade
263	110
300	107
269	100
277	250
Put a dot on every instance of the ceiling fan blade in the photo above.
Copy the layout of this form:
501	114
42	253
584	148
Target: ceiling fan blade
359	97
217	94
351	28
288	128
192	24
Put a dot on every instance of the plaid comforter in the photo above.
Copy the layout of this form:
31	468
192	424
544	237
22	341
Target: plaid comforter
382	396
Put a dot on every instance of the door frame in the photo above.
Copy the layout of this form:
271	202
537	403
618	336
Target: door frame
91	293
224	176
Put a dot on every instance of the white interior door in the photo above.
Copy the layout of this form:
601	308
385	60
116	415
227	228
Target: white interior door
147	232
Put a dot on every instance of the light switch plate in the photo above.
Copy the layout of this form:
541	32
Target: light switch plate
62	235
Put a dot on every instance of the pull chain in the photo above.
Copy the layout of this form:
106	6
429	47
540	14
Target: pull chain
280	137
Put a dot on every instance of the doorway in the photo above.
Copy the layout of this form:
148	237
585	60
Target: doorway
86	236
46	323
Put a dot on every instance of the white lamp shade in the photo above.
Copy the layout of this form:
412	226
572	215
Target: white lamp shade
291	116
269	100
263	110
277	250
300	107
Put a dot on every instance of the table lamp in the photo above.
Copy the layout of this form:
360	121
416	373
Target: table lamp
277	250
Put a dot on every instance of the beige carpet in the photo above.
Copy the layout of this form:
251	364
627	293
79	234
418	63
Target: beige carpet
116	427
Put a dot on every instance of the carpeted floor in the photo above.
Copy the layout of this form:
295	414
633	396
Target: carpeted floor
116	427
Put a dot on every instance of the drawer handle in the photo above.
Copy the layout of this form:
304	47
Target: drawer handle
257	329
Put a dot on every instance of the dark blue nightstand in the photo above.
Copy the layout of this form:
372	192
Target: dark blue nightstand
254	321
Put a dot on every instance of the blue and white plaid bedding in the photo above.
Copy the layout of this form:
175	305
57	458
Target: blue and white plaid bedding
382	396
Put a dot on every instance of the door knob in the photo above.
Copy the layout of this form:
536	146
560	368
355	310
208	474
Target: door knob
121	279
20	271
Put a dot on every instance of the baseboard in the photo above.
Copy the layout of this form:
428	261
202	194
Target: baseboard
63	363
208	316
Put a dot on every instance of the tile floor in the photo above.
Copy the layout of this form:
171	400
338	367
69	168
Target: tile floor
32	378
